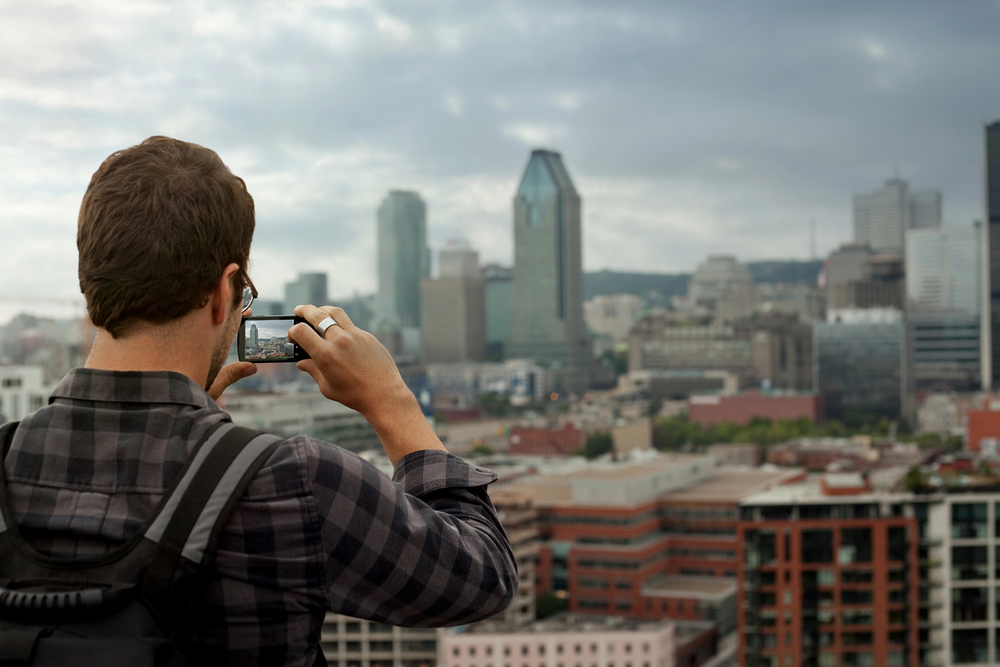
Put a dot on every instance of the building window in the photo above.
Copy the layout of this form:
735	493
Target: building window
969	604
856	576
856	617
894	659
856	597
817	546
968	521
489	650
856	638
969	563
827	660
524	650
898	543
969	646
857	659
559	649
826	577
855	546
472	650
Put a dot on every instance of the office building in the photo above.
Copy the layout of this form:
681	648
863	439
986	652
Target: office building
403	259
652	537
774	349
612	315
308	288
943	269
22	391
499	303
857	277
547	312
882	217
860	364
351	642
715	277
990	285
944	350
458	260
454	319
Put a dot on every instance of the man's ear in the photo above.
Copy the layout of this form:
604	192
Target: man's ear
221	300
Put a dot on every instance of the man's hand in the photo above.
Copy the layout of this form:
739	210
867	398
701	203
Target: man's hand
229	374
353	368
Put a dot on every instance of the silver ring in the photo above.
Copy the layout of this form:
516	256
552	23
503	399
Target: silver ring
324	325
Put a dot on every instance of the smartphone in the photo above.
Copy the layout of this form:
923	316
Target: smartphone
264	340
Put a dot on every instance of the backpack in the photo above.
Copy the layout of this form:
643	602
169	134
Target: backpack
121	608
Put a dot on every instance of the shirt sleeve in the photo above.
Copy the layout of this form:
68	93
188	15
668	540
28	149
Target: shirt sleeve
423	549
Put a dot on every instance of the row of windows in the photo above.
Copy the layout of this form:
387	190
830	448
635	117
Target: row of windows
615	564
817	546
407	646
846	659
526	649
764	640
812	578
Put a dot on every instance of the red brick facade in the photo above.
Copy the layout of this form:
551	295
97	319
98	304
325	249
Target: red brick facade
741	409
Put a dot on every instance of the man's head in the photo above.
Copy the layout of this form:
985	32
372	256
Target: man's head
158	225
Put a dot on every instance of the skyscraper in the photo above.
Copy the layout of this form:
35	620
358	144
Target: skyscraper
547	319
882	217
942	268
308	288
990	319
403	259
454	309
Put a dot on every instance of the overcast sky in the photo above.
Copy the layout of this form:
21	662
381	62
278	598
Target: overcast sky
689	128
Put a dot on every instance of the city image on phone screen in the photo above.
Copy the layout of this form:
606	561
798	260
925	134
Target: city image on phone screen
267	340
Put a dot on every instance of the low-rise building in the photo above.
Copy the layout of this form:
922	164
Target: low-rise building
571	639
741	408
22	391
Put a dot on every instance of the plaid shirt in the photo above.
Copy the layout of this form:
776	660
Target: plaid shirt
319	529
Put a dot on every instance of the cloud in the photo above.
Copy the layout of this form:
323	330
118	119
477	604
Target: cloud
688	130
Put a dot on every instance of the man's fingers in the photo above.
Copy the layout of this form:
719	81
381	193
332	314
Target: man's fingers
229	374
339	316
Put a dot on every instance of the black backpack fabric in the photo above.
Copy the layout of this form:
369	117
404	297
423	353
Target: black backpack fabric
123	608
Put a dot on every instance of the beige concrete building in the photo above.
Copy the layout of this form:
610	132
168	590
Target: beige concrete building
637	434
351	642
520	519
613	315
564	641
453	319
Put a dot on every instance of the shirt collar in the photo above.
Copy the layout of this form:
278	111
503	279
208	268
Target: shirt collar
132	387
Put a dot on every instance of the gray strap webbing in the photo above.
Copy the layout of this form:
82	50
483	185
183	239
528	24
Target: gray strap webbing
6	438
159	525
212	486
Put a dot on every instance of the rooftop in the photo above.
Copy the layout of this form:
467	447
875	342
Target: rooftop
671	585
735	484
810	492
568	622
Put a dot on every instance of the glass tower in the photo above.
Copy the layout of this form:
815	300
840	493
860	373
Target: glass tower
403	258
547	314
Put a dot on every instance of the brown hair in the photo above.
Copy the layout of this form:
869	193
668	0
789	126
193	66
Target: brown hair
158	225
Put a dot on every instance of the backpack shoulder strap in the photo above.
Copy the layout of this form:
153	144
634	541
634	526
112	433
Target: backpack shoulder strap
189	523
6	437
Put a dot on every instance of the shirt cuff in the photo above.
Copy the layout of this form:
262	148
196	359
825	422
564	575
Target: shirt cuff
431	469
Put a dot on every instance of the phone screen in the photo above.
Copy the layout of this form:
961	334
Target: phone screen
266	340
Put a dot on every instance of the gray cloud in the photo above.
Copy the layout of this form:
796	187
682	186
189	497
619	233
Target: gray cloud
696	128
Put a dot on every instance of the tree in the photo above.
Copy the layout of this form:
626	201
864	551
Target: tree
914	480
549	604
598	444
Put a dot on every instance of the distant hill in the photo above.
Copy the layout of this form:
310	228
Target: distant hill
659	287
656	287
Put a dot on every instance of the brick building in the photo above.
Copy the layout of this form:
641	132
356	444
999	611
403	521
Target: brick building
983	425
546	441
646	539
828	576
742	408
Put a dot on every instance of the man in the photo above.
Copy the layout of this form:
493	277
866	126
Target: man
164	240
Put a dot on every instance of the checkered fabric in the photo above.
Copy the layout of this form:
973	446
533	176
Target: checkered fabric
319	529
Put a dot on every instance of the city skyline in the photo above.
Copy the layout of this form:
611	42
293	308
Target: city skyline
688	133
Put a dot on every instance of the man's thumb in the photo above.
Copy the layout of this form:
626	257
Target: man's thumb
229	374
